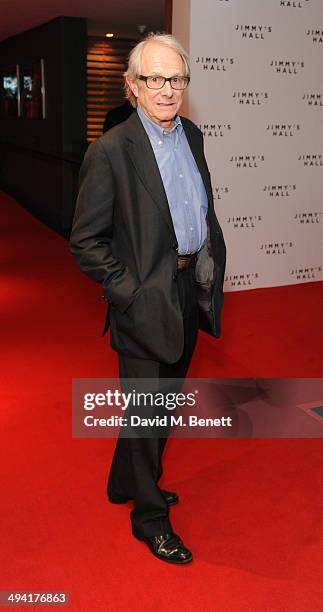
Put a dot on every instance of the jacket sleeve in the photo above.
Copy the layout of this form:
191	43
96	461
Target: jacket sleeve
92	230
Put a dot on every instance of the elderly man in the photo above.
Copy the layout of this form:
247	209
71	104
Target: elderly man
145	228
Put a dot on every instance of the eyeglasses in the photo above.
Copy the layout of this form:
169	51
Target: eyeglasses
158	82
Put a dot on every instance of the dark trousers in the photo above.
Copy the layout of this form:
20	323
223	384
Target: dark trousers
137	462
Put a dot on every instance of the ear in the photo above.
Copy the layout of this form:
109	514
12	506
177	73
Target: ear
133	86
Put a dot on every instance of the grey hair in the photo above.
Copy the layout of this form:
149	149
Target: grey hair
135	57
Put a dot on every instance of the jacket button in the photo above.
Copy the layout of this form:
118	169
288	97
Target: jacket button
175	246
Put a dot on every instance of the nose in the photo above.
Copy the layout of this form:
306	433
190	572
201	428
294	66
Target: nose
167	90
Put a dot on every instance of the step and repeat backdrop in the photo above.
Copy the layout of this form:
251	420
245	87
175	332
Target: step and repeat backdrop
257	94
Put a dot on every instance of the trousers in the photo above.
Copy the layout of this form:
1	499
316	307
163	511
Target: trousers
137	462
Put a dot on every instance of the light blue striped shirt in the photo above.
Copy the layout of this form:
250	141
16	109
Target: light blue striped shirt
182	181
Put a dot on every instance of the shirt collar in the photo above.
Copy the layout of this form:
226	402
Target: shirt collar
155	131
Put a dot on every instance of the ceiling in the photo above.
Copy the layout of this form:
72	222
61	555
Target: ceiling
119	16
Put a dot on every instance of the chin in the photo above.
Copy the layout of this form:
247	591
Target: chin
166	119
167	114
171	110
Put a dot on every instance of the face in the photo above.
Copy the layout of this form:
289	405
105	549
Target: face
161	105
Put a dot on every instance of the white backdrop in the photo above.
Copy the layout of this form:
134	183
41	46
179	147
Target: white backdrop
257	94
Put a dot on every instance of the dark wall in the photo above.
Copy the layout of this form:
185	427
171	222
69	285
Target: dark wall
40	158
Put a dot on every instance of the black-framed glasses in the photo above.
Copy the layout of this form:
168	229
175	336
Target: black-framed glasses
158	82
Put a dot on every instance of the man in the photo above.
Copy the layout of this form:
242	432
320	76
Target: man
145	228
117	115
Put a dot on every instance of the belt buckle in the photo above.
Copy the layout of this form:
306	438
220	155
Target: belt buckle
184	262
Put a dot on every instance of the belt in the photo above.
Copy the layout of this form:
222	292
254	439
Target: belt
186	261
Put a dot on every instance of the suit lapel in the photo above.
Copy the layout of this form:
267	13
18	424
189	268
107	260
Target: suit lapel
142	156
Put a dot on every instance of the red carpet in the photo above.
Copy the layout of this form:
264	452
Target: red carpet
251	510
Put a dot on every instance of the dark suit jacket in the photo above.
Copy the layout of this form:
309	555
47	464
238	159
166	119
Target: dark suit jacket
123	237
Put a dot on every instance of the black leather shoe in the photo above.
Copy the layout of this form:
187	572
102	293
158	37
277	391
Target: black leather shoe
169	547
170	498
